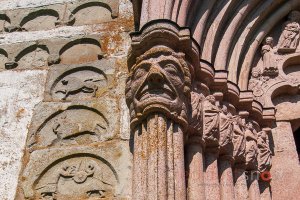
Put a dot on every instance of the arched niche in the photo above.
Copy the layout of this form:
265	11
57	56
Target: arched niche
76	124
80	82
4	20
80	51
291	67
3	58
43	19
92	13
33	56
73	176
287	105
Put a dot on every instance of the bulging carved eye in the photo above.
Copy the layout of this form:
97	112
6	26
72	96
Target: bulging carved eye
170	68
140	72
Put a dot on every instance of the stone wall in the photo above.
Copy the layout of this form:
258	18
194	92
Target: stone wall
64	59
212	99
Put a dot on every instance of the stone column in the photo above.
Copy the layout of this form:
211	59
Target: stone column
195	161
225	160
158	92
226	177
239	143
240	182
211	139
194	151
253	186
264	163
251	162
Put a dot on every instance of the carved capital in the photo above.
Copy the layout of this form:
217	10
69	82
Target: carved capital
226	132
211	122
264	152
251	147
239	141
162	64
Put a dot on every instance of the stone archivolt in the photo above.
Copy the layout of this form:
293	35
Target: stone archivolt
270	74
192	129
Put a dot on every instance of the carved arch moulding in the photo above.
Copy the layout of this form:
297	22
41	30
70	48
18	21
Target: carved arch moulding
188	121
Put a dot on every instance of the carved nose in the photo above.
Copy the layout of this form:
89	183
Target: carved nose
155	76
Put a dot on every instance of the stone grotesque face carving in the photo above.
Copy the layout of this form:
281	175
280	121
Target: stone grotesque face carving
159	82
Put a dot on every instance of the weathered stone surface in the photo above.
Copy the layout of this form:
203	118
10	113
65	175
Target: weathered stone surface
285	168
100	171
83	81
197	132
76	123
20	92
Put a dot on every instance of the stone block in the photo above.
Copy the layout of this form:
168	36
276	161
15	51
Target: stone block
76	173
57	124
84	81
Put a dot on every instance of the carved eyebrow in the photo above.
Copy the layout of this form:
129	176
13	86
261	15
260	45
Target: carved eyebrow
167	61
145	64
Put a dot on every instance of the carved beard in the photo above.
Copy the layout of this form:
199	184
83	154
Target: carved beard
160	82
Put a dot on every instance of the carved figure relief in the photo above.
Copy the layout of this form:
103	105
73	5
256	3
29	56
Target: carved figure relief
159	82
238	139
77	178
83	83
72	126
226	131
264	152
196	120
157	94
211	121
251	146
268	57
289	39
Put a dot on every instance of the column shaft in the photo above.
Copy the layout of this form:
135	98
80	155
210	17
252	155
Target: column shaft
212	188
226	179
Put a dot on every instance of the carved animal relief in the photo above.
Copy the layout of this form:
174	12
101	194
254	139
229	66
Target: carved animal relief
77	178
80	83
77	125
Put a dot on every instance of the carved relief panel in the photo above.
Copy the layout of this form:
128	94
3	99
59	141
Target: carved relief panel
277	53
85	81
73	124
48	17
81	173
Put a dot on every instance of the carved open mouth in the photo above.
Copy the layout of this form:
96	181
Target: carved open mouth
161	90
